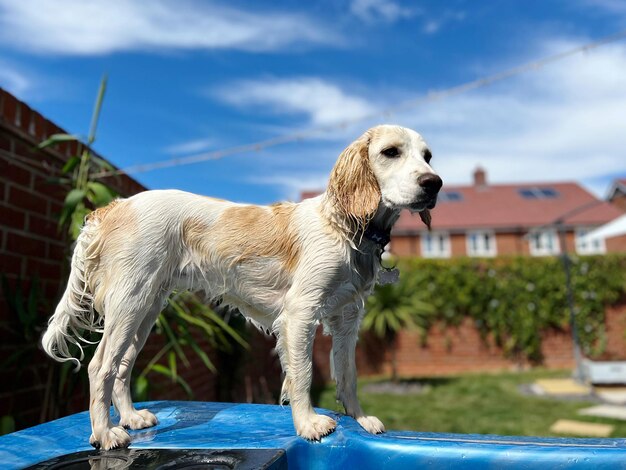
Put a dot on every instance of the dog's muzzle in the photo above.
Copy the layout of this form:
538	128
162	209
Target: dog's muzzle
429	184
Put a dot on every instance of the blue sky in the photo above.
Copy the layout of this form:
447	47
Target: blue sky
187	77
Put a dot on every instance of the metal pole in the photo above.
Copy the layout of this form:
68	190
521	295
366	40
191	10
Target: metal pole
579	374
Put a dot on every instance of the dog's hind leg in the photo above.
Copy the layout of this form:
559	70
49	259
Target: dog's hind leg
123	315
344	328
131	418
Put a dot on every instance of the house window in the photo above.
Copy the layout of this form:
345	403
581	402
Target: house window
585	246
481	243
449	196
435	245
544	242
538	193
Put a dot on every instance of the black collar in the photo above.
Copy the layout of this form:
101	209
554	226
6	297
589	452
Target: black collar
377	235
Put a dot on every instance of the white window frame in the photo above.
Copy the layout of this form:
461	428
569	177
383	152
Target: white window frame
588	247
440	249
480	248
543	249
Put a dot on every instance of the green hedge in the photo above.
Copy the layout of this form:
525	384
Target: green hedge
511	298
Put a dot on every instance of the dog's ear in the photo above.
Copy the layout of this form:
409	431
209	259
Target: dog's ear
352	184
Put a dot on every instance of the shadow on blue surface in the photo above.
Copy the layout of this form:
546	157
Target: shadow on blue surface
226	426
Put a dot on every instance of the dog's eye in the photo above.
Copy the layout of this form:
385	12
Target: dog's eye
427	155
391	152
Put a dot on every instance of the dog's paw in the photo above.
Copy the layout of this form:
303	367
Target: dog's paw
315	426
139	420
113	438
94	442
371	424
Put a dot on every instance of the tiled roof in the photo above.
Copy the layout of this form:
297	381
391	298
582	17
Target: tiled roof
618	186
505	207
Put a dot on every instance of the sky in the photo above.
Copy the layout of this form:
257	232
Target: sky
188	77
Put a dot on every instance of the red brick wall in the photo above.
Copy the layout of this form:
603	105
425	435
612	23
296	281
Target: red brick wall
616	332
458	245
616	244
619	200
461	349
508	243
32	247
511	244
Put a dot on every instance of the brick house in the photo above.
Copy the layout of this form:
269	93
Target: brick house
506	219
617	194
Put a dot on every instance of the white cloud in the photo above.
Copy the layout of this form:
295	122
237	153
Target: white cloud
431	27
78	27
566	121
376	10
190	146
321	101
293	184
609	6
434	23
14	80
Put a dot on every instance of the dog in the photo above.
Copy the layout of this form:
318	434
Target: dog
286	267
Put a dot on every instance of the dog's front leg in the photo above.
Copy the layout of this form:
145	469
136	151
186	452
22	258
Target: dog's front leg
295	345
344	330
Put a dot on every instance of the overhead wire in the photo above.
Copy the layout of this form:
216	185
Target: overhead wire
388	111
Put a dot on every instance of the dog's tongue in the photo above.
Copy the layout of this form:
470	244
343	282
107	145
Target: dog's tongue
426	218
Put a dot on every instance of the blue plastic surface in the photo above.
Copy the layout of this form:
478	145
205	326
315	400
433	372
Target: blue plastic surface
196	425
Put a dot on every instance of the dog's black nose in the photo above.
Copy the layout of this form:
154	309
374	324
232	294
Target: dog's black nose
430	183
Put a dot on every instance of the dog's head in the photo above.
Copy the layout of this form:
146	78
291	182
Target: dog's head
387	165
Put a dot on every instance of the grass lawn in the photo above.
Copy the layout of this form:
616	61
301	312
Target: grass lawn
473	403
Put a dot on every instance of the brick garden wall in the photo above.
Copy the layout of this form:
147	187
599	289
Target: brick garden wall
31	247
454	350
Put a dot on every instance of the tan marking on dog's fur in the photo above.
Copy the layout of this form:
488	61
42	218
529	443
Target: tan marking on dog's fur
106	222
243	233
214	199
352	184
195	234
100	213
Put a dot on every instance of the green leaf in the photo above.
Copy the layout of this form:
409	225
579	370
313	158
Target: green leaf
172	364
73	198
96	110
161	369
70	165
207	312
99	194
141	388
57	139
7	424
102	163
53	180
172	339
203	356
78	220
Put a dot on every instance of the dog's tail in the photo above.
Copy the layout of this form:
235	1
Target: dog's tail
75	313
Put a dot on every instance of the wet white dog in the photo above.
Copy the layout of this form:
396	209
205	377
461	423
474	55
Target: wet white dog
286	267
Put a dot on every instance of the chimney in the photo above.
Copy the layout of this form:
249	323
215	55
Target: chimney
480	178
